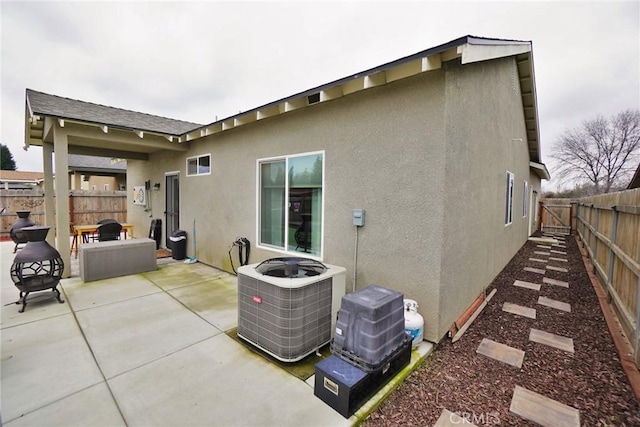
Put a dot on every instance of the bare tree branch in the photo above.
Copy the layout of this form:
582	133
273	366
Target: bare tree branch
602	151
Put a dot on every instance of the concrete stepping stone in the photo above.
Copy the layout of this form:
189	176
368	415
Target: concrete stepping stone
558	305
539	409
501	352
519	310
451	419
534	270
560	269
554	282
558	259
552	340
558	245
542	253
528	285
553	251
543	247
538	260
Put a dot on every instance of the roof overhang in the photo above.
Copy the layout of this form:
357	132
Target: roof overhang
97	139
540	169
467	49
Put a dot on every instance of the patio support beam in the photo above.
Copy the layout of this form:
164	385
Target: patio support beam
61	148
49	208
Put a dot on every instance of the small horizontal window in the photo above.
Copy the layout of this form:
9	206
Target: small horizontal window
199	165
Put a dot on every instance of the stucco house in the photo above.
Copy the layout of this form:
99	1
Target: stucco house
440	149
94	173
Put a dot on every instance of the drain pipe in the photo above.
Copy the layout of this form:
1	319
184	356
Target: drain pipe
355	262
358	221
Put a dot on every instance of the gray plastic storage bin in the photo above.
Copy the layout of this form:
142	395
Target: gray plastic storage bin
370	326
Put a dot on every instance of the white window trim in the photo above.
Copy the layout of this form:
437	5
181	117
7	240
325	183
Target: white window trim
511	178
525	200
198	157
286	215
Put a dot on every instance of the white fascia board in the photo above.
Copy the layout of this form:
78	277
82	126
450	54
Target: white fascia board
541	170
482	52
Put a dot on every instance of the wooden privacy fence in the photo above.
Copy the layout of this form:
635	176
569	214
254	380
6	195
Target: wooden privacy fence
85	207
609	228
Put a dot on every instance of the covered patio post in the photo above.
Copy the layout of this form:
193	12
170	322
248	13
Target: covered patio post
49	207
61	148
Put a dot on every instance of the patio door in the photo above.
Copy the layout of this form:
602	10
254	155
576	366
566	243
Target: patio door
172	204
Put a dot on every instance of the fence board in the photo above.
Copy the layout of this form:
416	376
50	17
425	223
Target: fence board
609	228
86	207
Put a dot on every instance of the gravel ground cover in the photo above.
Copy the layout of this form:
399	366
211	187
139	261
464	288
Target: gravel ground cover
456	378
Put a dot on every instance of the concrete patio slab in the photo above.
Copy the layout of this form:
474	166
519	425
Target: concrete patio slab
519	310
94	403
552	340
32	379
501	352
554	282
221	383
180	274
527	285
162	326
534	270
83	295
214	300
558	305
542	410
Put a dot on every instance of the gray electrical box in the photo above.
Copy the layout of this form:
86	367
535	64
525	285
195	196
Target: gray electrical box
358	217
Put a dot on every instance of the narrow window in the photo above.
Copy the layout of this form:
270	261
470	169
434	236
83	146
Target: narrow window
290	203
508	217
199	165
525	200
106	187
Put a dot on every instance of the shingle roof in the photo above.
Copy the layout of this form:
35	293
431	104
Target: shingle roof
105	164
71	109
19	176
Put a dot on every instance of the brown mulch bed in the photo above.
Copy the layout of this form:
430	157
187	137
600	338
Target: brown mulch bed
455	377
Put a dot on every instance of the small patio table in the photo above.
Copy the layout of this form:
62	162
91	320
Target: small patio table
79	230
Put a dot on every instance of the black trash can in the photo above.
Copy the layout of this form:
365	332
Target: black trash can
178	244
155	231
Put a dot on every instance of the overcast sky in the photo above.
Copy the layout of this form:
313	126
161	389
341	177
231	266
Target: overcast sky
196	61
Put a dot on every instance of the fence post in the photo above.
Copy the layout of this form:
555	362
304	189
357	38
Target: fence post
614	229
596	229
636	344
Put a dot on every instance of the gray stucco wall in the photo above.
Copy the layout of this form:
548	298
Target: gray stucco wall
383	153
426	157
486	137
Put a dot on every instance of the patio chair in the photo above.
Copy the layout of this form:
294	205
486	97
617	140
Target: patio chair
94	236
109	231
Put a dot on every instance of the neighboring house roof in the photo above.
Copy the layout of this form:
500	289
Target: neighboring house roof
97	165
21	177
58	107
635	181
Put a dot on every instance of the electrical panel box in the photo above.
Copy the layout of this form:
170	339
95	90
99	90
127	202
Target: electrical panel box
358	217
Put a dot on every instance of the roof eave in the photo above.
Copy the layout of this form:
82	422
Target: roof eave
541	170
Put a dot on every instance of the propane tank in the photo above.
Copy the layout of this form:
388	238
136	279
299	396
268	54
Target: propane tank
413	322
